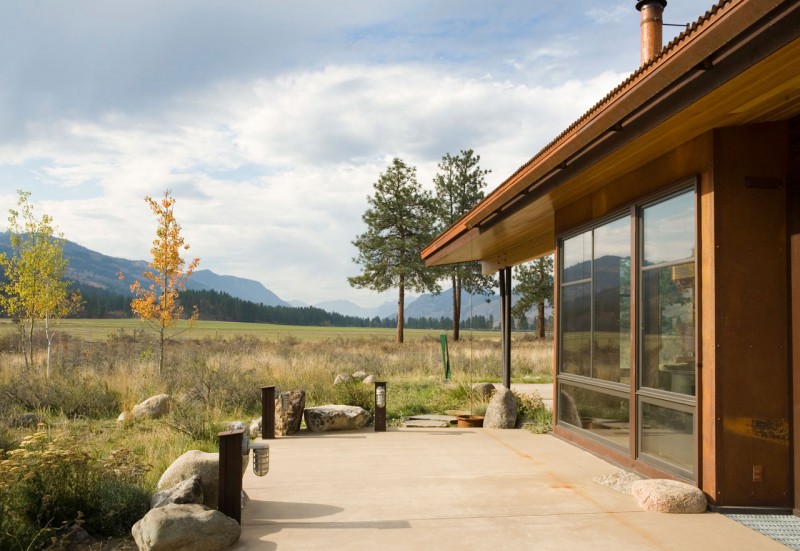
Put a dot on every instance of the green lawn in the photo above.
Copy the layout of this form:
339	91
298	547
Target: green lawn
100	329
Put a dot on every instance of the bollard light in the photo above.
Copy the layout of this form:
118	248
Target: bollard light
380	406
260	457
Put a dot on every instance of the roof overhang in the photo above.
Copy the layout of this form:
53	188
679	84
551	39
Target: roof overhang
739	64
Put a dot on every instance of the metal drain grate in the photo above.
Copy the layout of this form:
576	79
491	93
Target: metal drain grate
784	529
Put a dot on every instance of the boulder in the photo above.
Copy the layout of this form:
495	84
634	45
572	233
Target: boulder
334	417
255	428
186	491
195	463
125	417
484	390
189	527
289	412
26	420
153	407
342	378
369	380
360	375
502	410
668	496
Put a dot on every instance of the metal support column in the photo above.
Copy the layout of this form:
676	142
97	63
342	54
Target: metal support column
505	323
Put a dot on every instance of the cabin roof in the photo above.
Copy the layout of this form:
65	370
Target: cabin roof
739	63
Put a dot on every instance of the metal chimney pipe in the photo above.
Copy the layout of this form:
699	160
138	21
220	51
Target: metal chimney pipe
650	27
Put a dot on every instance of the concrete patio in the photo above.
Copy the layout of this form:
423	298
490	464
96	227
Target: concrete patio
458	489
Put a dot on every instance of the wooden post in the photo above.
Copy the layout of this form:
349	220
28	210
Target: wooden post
230	474
267	412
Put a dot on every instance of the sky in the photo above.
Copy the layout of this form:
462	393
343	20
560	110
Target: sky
270	121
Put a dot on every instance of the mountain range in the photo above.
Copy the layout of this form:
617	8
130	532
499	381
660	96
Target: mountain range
95	270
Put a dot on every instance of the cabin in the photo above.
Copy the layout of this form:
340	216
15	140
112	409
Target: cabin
673	211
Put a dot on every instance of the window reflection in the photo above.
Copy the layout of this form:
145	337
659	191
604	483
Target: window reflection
669	230
576	325
602	414
668	329
668	297
668	434
577	255
612	291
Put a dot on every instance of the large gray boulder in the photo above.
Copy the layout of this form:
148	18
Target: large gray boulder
153	407
204	465
185	527
186	491
669	496
289	412
335	417
502	410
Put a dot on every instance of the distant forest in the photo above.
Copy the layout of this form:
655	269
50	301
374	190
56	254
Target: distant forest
217	306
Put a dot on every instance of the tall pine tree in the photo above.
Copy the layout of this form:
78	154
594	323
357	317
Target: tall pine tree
459	187
400	222
535	287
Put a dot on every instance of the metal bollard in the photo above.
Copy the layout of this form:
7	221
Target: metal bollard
380	407
267	412
230	474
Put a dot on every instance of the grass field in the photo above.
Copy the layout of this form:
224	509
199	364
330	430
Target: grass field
100	329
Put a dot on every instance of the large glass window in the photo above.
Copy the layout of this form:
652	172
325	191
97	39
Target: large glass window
597	330
668	435
668	301
604	415
595	303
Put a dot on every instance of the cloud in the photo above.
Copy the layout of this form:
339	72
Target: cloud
270	121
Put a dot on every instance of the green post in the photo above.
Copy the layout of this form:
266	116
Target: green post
445	356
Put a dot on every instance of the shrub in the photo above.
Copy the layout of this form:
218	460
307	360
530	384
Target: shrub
49	483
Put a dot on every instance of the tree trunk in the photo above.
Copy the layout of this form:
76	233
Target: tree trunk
49	345
400	309
161	352
29	351
456	306
540	320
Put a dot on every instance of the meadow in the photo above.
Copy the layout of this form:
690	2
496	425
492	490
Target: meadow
214	373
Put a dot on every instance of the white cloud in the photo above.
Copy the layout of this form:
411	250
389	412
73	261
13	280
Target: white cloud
271	121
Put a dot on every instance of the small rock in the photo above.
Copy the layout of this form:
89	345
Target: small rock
187	491
204	465
153	407
484	390
335	417
341	378
26	420
369	380
502	410
185	527
669	496
360	375
125	417
255	428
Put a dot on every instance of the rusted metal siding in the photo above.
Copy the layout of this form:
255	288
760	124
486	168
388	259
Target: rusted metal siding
751	316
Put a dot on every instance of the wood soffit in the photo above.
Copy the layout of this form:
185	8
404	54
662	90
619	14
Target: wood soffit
660	106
